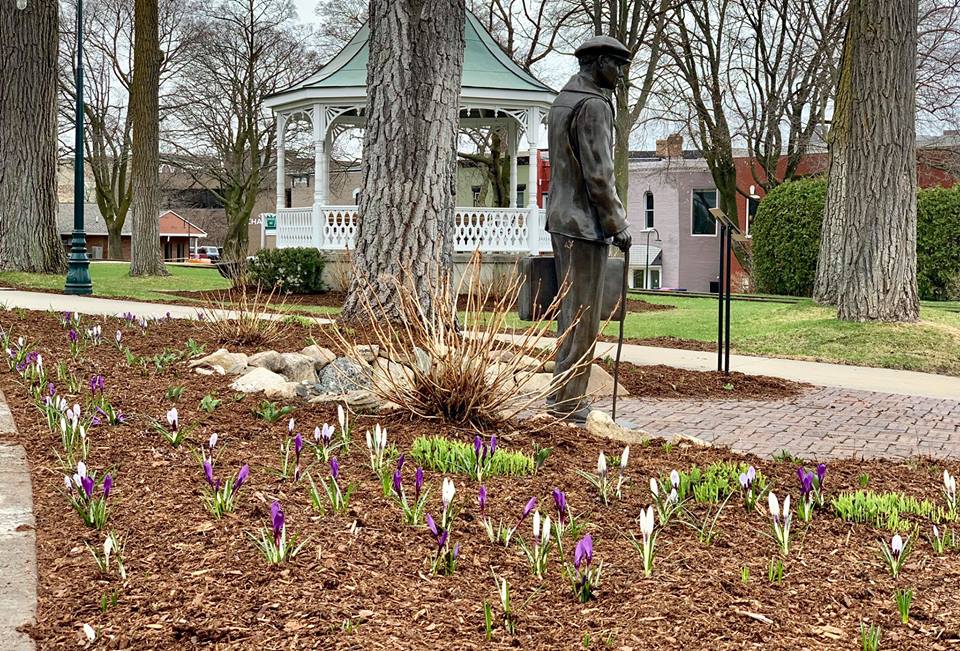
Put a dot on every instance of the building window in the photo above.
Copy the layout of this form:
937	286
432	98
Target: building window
653	279
476	195
287	198
703	221
521	195
648	209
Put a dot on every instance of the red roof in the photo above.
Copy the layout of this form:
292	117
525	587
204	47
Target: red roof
172	224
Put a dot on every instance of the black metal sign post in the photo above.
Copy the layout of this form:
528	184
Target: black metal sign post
728	230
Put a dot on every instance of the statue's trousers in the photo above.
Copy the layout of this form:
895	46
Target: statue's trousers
581	265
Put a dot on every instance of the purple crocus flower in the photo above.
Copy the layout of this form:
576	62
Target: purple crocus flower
482	499
821	473
583	554
806	483
241	477
397	481
74	337
456	551
97	383
298	445
400	461
107	486
51	389
334	468
478	446
432	526
561	501
531	505
418	482
276	520
442	539
208	471
87	483
493	444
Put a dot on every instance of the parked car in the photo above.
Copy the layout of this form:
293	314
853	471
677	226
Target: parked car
211	253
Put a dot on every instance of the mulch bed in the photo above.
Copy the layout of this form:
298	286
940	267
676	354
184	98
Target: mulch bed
362	581
659	381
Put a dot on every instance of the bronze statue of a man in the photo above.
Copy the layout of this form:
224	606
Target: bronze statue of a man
585	214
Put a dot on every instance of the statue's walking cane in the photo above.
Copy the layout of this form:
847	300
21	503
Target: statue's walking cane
623	318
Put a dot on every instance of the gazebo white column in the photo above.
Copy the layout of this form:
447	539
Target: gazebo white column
281	161
534	225
512	136
321	171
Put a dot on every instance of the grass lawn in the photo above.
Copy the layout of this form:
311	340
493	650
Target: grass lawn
112	279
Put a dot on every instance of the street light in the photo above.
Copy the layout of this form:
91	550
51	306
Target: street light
78	271
646	271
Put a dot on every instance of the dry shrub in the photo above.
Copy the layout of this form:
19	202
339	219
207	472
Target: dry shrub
340	271
245	315
458	368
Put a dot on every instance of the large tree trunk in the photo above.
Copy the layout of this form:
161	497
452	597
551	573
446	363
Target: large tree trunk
409	168
28	138
146	254
876	174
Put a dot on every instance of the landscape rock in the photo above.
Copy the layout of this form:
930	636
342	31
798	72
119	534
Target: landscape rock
600	423
231	363
297	367
320	356
368	353
259	379
284	391
387	374
359	401
549	366
600	384
343	375
268	359
684	440
536	382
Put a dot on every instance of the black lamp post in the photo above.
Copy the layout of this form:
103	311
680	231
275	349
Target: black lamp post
78	272
646	271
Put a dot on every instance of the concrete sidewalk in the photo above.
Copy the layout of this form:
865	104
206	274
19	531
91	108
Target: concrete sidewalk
107	306
860	378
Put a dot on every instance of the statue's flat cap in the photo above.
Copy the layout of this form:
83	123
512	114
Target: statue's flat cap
603	45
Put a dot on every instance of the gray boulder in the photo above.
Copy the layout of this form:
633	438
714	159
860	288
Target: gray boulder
297	367
343	375
320	356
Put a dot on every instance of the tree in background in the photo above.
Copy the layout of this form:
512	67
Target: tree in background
409	153
146	255
29	240
868	251
108	67
221	133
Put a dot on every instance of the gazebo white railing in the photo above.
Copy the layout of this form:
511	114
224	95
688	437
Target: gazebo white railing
495	92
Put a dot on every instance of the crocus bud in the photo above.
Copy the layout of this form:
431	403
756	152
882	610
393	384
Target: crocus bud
482	498
536	527
602	465
654	487
418	481
448	491
107	486
291	424
624	457
531	505
675	478
241	477
773	505
493	444
208	471
213	440
334	468
397	480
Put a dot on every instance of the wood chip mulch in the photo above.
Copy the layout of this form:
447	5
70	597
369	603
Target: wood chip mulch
362	580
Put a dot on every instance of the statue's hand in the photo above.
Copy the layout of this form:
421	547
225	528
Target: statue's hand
623	240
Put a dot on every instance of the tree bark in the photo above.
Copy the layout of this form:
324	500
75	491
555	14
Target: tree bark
29	240
146	256
876	173
409	155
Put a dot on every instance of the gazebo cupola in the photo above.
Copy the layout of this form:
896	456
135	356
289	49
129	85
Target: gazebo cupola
495	92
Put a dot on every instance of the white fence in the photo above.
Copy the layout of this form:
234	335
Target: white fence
490	230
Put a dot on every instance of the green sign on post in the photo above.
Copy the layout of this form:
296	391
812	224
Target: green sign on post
271	222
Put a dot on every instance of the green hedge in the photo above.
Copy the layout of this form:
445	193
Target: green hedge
786	239
293	271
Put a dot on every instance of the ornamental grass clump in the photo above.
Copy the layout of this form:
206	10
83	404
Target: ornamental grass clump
414	509
538	550
273	542
444	560
457	367
584	576
81	493
781	525
895	555
479	461
885	510
244	316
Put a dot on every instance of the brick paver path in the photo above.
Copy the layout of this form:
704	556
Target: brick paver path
821	423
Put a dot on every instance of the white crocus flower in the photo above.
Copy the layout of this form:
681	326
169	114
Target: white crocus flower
291	424
213	440
173	418
341	417
624	457
448	491
545	536
69	484
675	478
673	497
89	632
119	337
786	509
896	545
81	469
504	594
646	522
536	525
602	464
654	488
774	505
107	549
369	440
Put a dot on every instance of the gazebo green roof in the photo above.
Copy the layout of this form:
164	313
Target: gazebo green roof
487	72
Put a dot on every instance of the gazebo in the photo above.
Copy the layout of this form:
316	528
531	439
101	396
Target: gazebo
495	92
